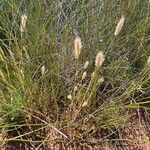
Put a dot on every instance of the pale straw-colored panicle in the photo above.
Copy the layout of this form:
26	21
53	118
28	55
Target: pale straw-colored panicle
77	47
99	59
22	73
119	25
100	80
84	75
69	97
75	88
43	70
23	22
86	65
85	104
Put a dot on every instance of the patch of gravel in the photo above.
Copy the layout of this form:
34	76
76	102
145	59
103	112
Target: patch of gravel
137	133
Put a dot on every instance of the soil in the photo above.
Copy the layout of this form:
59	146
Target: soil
133	136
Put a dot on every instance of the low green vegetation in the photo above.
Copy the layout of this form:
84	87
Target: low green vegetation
72	68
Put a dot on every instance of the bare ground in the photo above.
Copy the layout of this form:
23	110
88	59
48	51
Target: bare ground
135	135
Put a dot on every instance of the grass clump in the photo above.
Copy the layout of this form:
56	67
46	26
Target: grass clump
71	69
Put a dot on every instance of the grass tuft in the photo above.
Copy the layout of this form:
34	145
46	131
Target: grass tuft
57	90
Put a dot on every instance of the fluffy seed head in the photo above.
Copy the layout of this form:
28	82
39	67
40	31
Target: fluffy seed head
85	104
86	65
100	80
77	47
22	73
43	70
23	22
119	25
84	75
69	97
99	59
75	88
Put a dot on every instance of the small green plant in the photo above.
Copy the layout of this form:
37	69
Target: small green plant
54	86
